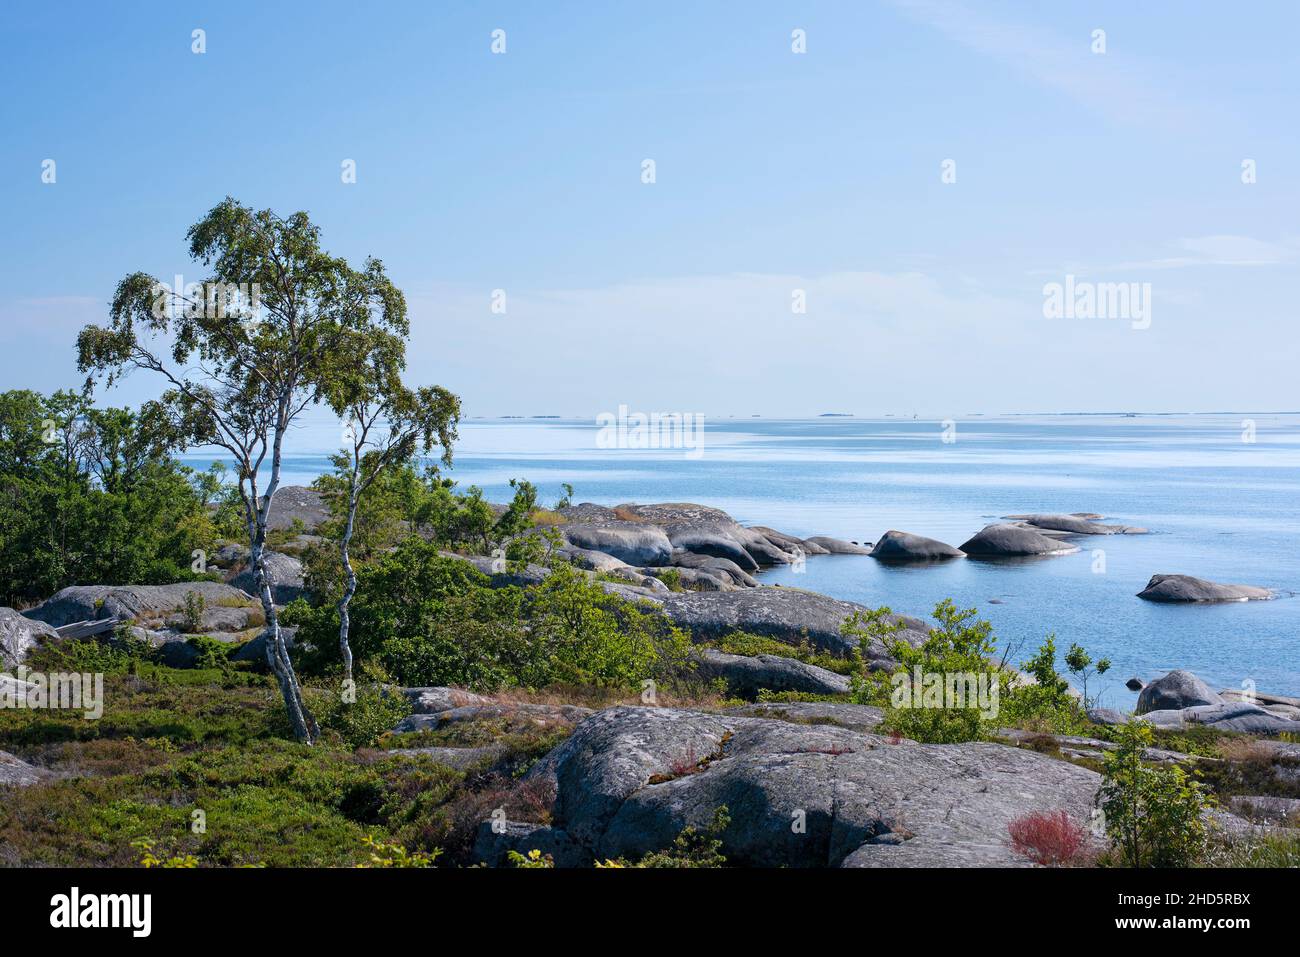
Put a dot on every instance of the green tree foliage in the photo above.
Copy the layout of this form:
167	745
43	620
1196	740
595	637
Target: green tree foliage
961	647
93	496
428	619
1154	815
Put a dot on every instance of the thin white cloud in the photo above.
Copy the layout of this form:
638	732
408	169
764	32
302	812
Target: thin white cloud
1114	84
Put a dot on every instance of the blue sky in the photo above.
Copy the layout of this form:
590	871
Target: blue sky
774	172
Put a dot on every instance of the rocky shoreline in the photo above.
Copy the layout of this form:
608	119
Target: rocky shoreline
628	778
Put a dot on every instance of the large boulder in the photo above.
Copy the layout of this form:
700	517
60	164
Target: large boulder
747	676
712	542
629	542
141	603
714	566
1185	588
1013	541
1176	690
791	615
255	650
285	573
298	502
895	546
629	780
19	635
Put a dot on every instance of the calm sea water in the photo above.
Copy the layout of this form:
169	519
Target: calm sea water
1218	507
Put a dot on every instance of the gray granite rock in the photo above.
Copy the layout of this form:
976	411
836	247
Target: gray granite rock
838	546
896	546
16	773
628	780
1176	690
1185	588
1013	541
130	602
786	614
19	635
286	576
747	676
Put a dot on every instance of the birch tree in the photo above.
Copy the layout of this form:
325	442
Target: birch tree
242	354
386	424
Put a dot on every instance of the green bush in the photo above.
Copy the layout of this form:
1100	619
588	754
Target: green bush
959	647
1154	815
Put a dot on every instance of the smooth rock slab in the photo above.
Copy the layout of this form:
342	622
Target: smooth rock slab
1013	541
438	699
747	676
791	615
541	715
895	546
855	717
16	773
863	801
132	602
19	635
1185	588
285	573
838	546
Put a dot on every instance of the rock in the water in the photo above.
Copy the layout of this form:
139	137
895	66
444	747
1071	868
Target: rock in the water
16	773
1075	525
1133	684
285	573
746	676
895	546
838	546
1175	691
1185	588
786	614
143	603
1013	541
19	635
628	780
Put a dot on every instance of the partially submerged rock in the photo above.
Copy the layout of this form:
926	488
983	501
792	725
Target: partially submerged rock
1013	541
1075	524
747	676
838	546
896	546
1185	588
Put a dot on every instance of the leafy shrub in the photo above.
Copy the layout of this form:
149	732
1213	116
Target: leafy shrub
958	647
374	713
192	612
1153	814
1049	838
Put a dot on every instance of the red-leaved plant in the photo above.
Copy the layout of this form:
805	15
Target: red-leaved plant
1050	838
